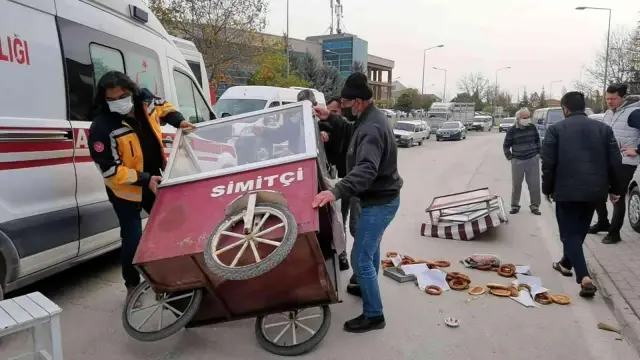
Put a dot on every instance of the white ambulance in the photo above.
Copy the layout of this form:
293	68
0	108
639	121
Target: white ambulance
54	211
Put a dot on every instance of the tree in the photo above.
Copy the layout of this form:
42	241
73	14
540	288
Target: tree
226	32
543	99
323	78
463	97
271	70
622	61
525	100
404	102
475	84
358	67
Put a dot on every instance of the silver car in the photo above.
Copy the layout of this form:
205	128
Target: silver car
409	133
634	202
506	123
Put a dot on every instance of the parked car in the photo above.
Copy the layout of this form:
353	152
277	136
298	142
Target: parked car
482	123
506	123
545	117
389	113
598	117
408	133
451	130
634	203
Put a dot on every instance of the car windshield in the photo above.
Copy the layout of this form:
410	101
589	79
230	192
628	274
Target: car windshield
508	120
555	115
403	126
237	106
247	140
449	126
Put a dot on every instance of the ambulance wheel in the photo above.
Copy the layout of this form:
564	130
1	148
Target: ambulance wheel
295	332
234	255
152	312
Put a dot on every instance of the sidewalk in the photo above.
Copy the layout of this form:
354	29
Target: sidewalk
617	271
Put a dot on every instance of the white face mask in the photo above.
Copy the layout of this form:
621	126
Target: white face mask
122	106
525	122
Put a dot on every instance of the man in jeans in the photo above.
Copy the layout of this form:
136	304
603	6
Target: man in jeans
372	176
579	161
623	116
522	147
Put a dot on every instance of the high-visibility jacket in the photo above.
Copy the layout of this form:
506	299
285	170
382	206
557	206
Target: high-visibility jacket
115	147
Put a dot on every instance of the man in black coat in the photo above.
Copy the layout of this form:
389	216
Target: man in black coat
579	158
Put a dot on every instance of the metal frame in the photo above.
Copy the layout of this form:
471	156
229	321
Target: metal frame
311	146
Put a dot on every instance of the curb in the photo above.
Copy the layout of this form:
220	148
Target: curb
630	323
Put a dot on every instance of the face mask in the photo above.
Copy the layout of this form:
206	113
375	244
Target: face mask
348	113
525	122
122	106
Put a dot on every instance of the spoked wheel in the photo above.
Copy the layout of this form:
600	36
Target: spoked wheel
295	332
251	242
148	316
634	209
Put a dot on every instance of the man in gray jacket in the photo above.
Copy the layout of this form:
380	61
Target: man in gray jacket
624	118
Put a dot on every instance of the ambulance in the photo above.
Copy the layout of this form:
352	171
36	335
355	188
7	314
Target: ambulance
54	211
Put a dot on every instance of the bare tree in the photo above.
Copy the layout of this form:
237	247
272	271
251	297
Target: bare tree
622	58
226	32
474	84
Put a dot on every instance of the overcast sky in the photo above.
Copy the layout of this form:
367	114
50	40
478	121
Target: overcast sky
542	40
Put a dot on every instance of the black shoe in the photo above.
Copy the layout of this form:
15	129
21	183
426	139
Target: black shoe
588	291
354	290
611	238
536	211
514	211
599	227
343	262
362	324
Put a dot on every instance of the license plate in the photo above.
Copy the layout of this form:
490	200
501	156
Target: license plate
445	135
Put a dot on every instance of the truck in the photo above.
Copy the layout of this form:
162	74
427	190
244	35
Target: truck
443	112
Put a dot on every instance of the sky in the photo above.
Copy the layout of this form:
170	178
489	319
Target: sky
543	41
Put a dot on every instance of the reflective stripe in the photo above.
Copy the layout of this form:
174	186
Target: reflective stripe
109	173
132	176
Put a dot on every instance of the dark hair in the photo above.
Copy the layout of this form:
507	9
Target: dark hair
620	89
334	99
573	101
307	94
111	80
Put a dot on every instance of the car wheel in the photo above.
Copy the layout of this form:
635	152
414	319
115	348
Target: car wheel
428	136
437	138
420	142
634	208
410	143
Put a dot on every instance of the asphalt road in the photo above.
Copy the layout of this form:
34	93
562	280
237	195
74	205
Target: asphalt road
92	295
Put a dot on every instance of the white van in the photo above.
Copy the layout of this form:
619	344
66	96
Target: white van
243	99
196	63
54	210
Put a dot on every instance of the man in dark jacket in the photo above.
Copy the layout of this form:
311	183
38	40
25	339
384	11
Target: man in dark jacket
579	159
372	176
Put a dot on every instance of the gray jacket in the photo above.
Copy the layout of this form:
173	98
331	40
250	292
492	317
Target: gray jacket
625	134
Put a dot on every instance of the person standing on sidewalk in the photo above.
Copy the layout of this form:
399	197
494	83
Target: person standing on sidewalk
579	161
522	147
372	176
623	116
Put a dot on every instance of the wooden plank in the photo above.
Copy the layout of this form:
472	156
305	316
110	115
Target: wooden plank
16	312
6	321
48	305
31	307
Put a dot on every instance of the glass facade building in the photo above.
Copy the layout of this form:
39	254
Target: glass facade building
341	52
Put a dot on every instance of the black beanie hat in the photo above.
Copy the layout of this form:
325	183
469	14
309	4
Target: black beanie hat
357	87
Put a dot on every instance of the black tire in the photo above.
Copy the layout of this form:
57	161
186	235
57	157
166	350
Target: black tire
190	311
634	196
429	136
254	270
298	349
420	142
437	138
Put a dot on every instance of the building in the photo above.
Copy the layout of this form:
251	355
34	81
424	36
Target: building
339	50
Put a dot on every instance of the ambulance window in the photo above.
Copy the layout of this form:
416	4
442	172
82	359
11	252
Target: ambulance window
190	102
145	71
105	59
274	104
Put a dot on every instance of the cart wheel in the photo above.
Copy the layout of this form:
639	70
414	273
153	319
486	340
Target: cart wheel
148	316
295	332
252	265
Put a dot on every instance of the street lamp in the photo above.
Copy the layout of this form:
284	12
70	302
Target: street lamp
495	95
606	57
424	58
551	87
444	88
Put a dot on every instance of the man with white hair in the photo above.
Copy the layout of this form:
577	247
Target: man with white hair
522	147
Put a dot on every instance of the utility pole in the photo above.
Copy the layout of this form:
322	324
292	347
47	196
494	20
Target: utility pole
338	16
331	6
287	41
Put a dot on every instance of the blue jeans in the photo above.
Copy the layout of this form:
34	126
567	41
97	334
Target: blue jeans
365	255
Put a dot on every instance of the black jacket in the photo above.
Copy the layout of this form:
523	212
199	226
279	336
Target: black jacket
579	158
372	157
